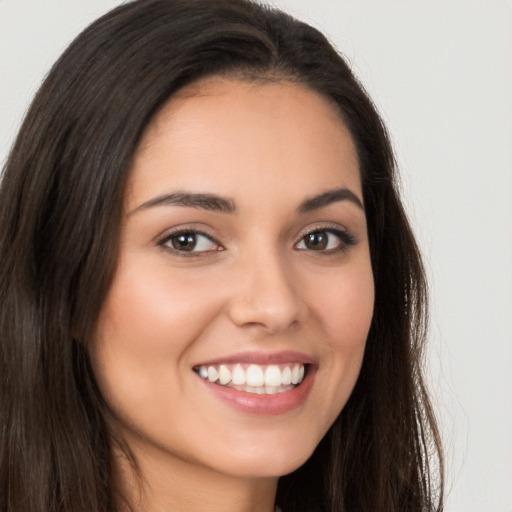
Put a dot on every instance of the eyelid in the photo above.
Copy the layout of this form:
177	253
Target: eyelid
162	240
346	237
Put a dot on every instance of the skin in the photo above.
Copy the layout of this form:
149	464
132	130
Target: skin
255	286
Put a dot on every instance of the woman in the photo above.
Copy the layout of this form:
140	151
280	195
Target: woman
211	297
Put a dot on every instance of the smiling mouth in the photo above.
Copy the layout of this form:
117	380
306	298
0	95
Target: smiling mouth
255	378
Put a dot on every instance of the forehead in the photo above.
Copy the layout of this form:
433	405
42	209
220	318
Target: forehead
233	137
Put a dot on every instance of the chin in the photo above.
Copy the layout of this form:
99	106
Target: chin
268	462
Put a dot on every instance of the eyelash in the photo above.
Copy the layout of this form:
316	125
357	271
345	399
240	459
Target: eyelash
346	240
184	232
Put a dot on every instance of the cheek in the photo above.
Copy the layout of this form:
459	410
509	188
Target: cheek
149	320
344	305
350	323
154	311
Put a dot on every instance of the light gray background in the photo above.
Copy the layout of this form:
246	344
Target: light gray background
441	74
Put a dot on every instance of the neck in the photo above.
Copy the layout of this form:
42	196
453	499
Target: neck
167	484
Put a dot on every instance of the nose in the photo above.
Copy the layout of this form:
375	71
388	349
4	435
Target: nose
267	294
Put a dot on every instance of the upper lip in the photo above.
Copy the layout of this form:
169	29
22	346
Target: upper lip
261	358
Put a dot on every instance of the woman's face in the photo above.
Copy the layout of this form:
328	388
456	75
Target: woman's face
234	330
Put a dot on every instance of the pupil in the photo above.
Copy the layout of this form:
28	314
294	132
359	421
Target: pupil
316	241
184	242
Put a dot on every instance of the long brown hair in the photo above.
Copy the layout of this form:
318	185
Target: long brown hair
60	207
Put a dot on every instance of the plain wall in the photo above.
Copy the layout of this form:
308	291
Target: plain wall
440	72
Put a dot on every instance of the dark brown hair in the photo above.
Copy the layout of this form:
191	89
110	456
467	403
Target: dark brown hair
60	209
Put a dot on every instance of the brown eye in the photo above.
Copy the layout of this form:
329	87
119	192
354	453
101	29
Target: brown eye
326	240
183	241
190	241
316	241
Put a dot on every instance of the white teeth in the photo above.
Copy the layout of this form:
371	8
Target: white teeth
254	376
273	376
286	378
295	374
224	375
267	390
255	379
213	374
238	376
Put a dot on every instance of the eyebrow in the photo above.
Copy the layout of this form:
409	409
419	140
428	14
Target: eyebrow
329	197
209	202
215	203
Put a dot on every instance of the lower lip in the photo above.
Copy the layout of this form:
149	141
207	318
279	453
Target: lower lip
278	403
